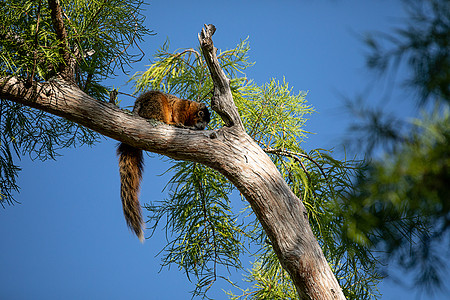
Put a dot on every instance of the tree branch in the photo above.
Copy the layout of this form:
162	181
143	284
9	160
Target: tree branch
64	99
225	107
230	150
282	215
67	66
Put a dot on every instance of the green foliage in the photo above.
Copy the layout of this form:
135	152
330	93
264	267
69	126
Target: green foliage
422	43
100	31
199	217
185	73
26	131
208	231
401	202
323	183
270	281
273	115
404	200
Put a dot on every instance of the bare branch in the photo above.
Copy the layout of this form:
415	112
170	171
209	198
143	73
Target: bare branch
222	102
64	99
113	96
282	214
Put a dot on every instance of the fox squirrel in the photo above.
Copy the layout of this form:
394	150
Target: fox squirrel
165	108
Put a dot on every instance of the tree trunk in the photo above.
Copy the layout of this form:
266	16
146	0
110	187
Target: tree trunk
229	150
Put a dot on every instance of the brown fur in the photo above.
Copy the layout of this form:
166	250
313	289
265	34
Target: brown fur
165	108
131	164
172	110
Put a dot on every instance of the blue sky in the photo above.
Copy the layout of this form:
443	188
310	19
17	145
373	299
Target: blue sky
68	239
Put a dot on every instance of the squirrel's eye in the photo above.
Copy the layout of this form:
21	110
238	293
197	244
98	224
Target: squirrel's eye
201	113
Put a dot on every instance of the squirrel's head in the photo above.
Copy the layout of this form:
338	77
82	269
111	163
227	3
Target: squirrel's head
202	117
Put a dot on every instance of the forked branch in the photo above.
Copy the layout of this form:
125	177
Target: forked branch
280	212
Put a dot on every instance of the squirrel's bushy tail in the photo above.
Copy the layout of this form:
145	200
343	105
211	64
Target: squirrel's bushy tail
131	164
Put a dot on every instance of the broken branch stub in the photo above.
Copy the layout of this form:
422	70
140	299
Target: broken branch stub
222	101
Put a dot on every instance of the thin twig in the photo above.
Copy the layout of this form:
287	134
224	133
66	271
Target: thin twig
258	119
129	44
188	50
95	16
291	178
122	93
76	57
213	232
30	78
295	156
178	55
